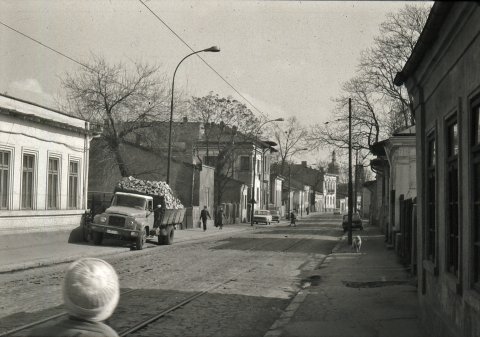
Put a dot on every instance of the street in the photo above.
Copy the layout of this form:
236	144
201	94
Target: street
244	282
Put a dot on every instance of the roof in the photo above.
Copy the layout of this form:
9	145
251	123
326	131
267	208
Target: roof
378	164
427	38
33	112
378	148
408	131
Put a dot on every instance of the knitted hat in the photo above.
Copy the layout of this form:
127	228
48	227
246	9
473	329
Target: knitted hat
91	289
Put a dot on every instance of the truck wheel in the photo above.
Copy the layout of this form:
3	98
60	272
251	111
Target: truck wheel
161	240
169	237
141	239
97	238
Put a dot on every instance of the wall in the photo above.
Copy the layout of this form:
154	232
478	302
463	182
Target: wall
445	84
56	135
144	164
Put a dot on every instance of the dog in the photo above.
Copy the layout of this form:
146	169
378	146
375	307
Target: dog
357	243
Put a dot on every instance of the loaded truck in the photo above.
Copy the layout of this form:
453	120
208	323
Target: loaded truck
136	216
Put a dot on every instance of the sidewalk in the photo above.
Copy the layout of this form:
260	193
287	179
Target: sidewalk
354	294
32	250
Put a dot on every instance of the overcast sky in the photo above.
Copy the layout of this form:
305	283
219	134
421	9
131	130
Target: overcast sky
288	58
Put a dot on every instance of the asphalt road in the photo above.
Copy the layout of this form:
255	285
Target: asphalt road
250	277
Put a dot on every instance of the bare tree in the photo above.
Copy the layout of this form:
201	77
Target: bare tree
290	137
227	122
121	99
379	108
391	50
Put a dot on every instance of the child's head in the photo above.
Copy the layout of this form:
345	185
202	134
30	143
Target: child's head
91	289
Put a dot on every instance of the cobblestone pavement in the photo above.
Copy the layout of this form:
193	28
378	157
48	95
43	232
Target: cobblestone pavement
263	268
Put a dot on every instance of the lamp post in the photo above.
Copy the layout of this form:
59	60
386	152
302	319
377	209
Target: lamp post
213	49
255	165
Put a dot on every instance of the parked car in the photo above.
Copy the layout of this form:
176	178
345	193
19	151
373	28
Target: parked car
262	216
356	221
275	215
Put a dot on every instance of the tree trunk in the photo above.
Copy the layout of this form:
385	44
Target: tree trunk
115	148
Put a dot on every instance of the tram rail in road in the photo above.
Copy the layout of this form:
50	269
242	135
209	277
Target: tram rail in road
153	318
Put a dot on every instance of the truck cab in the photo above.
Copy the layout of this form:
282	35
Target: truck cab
130	217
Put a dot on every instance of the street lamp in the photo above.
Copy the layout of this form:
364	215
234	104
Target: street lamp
213	49
255	165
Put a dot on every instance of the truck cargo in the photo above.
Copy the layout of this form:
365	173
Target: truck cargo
139	209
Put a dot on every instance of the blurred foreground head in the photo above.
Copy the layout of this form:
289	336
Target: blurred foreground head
91	289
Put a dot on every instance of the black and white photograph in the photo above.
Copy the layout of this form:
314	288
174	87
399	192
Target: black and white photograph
239	168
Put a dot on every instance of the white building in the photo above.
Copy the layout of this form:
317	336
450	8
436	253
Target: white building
43	167
330	191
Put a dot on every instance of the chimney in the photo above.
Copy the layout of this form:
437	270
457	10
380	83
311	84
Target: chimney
304	163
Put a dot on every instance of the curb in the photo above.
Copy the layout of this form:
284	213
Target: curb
340	242
276	329
12	268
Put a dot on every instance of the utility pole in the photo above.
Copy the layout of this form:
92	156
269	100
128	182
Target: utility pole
350	196
289	188
355	207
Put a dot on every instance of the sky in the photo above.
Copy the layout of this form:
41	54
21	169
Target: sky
288	58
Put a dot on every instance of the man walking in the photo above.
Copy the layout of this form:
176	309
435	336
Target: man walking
219	218
203	216
293	217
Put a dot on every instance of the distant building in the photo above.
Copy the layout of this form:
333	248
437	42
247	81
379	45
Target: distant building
43	167
233	155
304	175
276	183
330	192
443	78
333	167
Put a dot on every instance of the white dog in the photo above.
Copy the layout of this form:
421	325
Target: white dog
357	243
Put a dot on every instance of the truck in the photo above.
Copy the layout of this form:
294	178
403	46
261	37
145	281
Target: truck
136	216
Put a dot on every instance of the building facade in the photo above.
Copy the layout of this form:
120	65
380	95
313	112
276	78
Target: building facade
443	77
330	192
276	185
43	167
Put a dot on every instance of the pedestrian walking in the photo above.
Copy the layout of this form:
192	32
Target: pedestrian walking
219	218
203	216
90	294
293	217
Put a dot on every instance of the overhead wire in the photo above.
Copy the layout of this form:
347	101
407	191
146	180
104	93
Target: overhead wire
46	46
201	58
62	54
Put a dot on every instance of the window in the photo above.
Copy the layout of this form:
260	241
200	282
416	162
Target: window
453	242
475	148
244	163
28	167
52	183
4	178
73	184
430	234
